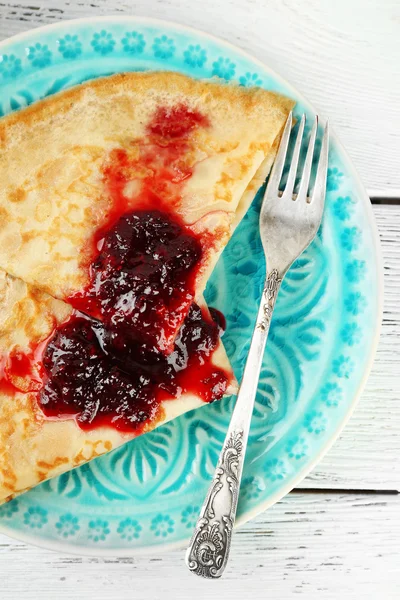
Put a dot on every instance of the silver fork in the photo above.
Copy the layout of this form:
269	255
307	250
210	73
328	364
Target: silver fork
288	224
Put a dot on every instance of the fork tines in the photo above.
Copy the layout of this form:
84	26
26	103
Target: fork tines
318	194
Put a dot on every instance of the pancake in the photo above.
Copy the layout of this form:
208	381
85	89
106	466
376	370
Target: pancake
118	197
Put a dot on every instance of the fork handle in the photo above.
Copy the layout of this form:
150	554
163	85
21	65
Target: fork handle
209	547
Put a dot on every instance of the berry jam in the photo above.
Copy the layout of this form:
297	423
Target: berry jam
103	377
219	319
151	343
143	279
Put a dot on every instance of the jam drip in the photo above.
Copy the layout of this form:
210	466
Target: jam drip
104	378
142	262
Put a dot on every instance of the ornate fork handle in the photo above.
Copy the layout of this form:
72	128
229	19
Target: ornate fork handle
209	547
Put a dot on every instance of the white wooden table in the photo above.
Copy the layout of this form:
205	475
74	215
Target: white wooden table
339	535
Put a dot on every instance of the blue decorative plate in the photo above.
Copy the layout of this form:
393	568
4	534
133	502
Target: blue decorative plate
321	344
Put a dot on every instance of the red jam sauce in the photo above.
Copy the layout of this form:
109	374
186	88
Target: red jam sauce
219	319
143	280
136	337
22	372
103	377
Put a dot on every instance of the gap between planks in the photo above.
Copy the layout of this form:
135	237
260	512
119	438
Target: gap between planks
388	201
342	491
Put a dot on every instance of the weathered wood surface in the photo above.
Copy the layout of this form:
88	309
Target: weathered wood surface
331	541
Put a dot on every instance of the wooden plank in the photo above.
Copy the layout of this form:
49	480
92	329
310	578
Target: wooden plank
366	456
343	56
309	545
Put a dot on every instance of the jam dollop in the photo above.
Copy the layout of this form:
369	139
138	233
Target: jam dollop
118	369
103	377
143	279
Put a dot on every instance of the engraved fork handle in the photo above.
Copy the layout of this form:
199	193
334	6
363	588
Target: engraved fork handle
209	547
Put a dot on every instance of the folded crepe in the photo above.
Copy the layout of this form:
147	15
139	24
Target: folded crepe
117	198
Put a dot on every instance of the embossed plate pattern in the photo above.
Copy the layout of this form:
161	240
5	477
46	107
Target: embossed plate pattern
321	344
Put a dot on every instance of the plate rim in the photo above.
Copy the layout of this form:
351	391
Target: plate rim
377	251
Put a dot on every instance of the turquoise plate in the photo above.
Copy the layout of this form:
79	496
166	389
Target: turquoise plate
321	344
